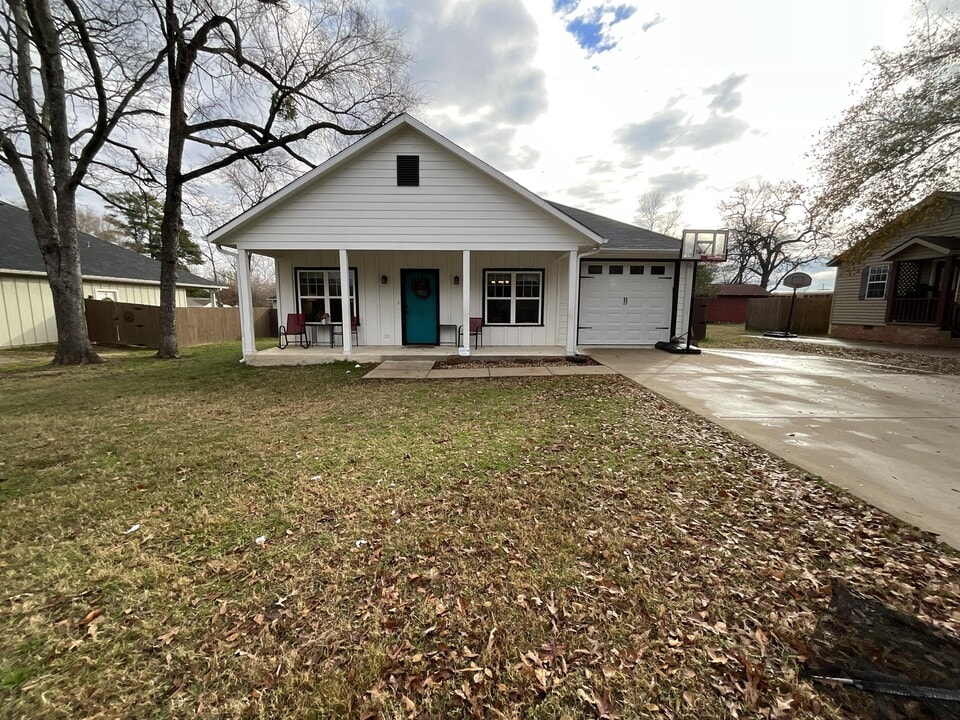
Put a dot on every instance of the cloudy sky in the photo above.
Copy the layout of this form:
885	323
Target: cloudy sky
594	103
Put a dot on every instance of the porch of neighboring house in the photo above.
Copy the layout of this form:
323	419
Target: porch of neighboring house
924	279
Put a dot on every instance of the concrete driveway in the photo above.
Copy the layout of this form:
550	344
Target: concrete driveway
888	436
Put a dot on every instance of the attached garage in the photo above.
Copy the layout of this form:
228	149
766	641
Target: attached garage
635	289
625	302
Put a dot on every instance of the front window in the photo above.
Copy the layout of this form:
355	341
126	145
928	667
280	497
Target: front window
319	294
877	282
513	297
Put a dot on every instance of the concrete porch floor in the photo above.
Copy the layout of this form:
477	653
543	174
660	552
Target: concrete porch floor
320	354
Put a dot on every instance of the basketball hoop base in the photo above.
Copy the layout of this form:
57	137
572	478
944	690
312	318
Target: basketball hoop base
677	347
779	334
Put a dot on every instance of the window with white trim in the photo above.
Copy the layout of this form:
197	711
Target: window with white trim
318	294
876	287
513	297
107	295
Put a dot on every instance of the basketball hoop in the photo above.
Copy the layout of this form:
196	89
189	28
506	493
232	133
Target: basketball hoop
704	245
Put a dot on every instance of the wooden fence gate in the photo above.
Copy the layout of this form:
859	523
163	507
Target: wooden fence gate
811	316
113	323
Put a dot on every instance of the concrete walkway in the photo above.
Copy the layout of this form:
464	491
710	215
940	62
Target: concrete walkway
888	436
423	370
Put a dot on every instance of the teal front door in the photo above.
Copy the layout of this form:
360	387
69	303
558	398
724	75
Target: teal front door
421	307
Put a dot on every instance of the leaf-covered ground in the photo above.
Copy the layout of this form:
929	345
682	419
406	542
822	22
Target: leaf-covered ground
535	548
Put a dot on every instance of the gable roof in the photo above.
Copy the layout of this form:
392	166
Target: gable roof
945	245
98	258
742	290
620	235
854	253
222	233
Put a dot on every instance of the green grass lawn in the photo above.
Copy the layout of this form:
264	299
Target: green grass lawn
531	548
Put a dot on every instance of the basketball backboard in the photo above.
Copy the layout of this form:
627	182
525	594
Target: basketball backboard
705	245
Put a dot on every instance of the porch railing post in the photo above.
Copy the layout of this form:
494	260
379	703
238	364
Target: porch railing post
346	312
943	291
245	301
573	280
465	286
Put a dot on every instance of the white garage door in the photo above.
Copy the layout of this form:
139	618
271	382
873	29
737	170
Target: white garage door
625	303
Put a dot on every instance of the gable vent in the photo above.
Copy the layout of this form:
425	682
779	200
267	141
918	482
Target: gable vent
408	170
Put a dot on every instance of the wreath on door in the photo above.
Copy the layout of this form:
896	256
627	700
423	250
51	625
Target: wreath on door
421	288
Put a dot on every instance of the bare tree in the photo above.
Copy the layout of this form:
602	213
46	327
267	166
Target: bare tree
69	78
657	212
900	141
95	223
774	229
247	78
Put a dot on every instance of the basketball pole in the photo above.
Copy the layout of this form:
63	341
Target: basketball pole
693	295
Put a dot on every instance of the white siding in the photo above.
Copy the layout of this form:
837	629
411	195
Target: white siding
379	304
26	306
455	206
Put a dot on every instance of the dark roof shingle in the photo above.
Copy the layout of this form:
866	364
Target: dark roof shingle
620	235
98	258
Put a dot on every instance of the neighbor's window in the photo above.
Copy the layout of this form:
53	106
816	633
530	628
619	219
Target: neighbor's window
513	297
107	295
877	282
318	290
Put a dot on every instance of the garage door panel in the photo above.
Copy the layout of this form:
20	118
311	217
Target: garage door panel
630	307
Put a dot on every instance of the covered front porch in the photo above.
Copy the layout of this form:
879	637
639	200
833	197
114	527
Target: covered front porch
412	303
924	275
321	354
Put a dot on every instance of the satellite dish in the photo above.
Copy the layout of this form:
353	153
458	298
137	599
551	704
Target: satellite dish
798	280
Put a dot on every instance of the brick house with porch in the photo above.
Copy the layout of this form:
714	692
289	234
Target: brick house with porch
901	284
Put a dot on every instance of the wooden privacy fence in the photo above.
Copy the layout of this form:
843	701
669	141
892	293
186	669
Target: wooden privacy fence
811	315
118	323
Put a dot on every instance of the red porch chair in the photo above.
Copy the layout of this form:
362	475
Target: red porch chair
354	330
296	325
476	332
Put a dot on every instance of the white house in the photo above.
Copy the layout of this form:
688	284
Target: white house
109	272
431	236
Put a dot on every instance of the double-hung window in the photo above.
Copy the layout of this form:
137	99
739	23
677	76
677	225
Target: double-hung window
319	293
876	285
513	297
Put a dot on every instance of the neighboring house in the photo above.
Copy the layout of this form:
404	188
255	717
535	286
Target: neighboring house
430	236
729	305
900	285
109	271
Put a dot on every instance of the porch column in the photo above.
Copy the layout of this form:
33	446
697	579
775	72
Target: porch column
943	291
347	311
465	288
573	314
245	301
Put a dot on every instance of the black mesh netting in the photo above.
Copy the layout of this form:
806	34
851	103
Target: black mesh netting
899	666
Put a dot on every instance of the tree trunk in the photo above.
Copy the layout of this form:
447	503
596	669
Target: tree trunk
178	69
62	261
